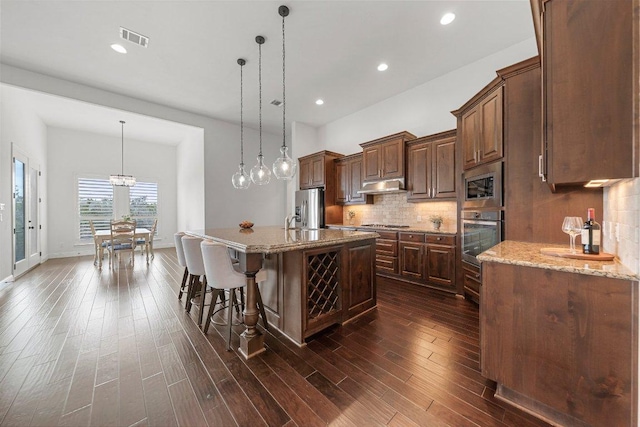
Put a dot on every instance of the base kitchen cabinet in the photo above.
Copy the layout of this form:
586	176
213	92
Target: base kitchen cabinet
472	281
561	344
387	252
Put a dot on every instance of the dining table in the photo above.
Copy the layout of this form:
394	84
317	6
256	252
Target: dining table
103	236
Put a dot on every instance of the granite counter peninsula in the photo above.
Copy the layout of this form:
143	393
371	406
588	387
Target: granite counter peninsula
559	336
316	278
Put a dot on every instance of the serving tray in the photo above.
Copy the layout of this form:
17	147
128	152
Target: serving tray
566	253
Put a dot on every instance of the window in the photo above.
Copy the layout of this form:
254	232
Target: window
95	202
143	203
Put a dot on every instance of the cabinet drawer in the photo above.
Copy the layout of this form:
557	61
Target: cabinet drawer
440	239
387	264
472	281
387	247
411	237
389	235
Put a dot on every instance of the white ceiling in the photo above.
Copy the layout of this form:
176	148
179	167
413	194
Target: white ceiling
333	48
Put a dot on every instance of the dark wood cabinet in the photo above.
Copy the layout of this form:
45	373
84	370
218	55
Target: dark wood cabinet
384	158
431	167
562	345
317	170
427	259
387	252
481	128
360	292
472	281
349	174
533	213
590	89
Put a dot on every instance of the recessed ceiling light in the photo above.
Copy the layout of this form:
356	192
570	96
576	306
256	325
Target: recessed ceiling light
447	18
118	48
382	67
319	102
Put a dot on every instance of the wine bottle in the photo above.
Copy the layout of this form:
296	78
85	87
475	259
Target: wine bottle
591	234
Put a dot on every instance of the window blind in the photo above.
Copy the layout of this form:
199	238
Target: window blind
95	202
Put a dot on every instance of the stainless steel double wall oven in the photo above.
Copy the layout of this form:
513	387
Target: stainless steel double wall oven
482	215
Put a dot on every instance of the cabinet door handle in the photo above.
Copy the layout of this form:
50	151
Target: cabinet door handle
439	238
429	193
540	168
479	157
477	275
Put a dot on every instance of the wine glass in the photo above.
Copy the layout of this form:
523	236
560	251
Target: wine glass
572	225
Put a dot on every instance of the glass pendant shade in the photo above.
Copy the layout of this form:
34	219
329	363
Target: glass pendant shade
260	174
284	167
241	179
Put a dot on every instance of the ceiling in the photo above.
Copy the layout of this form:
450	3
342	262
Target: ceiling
332	50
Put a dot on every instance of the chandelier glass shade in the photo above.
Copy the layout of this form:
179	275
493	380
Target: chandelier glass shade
241	179
260	174
122	180
284	167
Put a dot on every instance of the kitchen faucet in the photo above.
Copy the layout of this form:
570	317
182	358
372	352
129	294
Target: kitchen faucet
288	219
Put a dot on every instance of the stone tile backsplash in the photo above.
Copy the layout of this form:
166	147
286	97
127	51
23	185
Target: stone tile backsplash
622	208
394	209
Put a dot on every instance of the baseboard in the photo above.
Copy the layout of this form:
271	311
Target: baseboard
8	279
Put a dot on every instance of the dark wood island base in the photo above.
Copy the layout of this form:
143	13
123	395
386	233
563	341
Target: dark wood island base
315	278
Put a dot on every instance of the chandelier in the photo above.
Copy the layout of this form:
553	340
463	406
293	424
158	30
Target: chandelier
122	180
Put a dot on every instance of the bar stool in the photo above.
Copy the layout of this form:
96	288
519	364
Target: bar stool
222	276
177	238
193	258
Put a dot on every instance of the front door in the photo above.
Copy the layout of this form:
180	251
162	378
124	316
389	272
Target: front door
26	223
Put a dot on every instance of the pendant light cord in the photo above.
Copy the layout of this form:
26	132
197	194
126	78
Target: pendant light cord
284	101
122	147
260	92
241	123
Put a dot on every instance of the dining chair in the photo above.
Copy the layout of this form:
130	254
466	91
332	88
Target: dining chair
147	244
123	238
96	242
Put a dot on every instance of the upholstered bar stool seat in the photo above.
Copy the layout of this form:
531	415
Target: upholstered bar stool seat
193	258
182	262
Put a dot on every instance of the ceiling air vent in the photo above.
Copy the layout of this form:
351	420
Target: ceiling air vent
276	103
134	37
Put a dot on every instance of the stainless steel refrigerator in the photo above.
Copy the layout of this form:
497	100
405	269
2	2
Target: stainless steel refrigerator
310	208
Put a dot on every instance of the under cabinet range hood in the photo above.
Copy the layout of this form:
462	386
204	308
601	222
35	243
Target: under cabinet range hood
383	187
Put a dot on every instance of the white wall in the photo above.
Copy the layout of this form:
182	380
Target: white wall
73	154
190	182
221	204
19	126
423	110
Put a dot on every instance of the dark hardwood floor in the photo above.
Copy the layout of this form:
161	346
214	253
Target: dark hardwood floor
80	346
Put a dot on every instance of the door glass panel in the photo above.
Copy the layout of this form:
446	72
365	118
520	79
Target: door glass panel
19	206
33	216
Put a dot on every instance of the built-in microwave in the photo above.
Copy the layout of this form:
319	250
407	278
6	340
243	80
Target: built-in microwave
483	186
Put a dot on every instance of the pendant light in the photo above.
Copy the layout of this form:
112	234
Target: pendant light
260	174
122	180
240	179
284	167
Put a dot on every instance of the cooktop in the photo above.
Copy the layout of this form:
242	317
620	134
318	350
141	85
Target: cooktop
385	226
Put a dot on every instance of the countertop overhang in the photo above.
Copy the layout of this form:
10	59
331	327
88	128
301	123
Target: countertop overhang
528	254
273	239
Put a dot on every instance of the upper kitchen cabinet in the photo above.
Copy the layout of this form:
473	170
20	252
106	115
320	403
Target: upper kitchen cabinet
590	90
318	170
431	167
383	158
480	124
349	181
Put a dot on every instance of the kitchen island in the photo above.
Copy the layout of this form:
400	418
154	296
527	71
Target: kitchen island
316	278
560	336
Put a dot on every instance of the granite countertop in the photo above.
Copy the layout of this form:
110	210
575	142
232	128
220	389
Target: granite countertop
528	254
410	229
274	239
